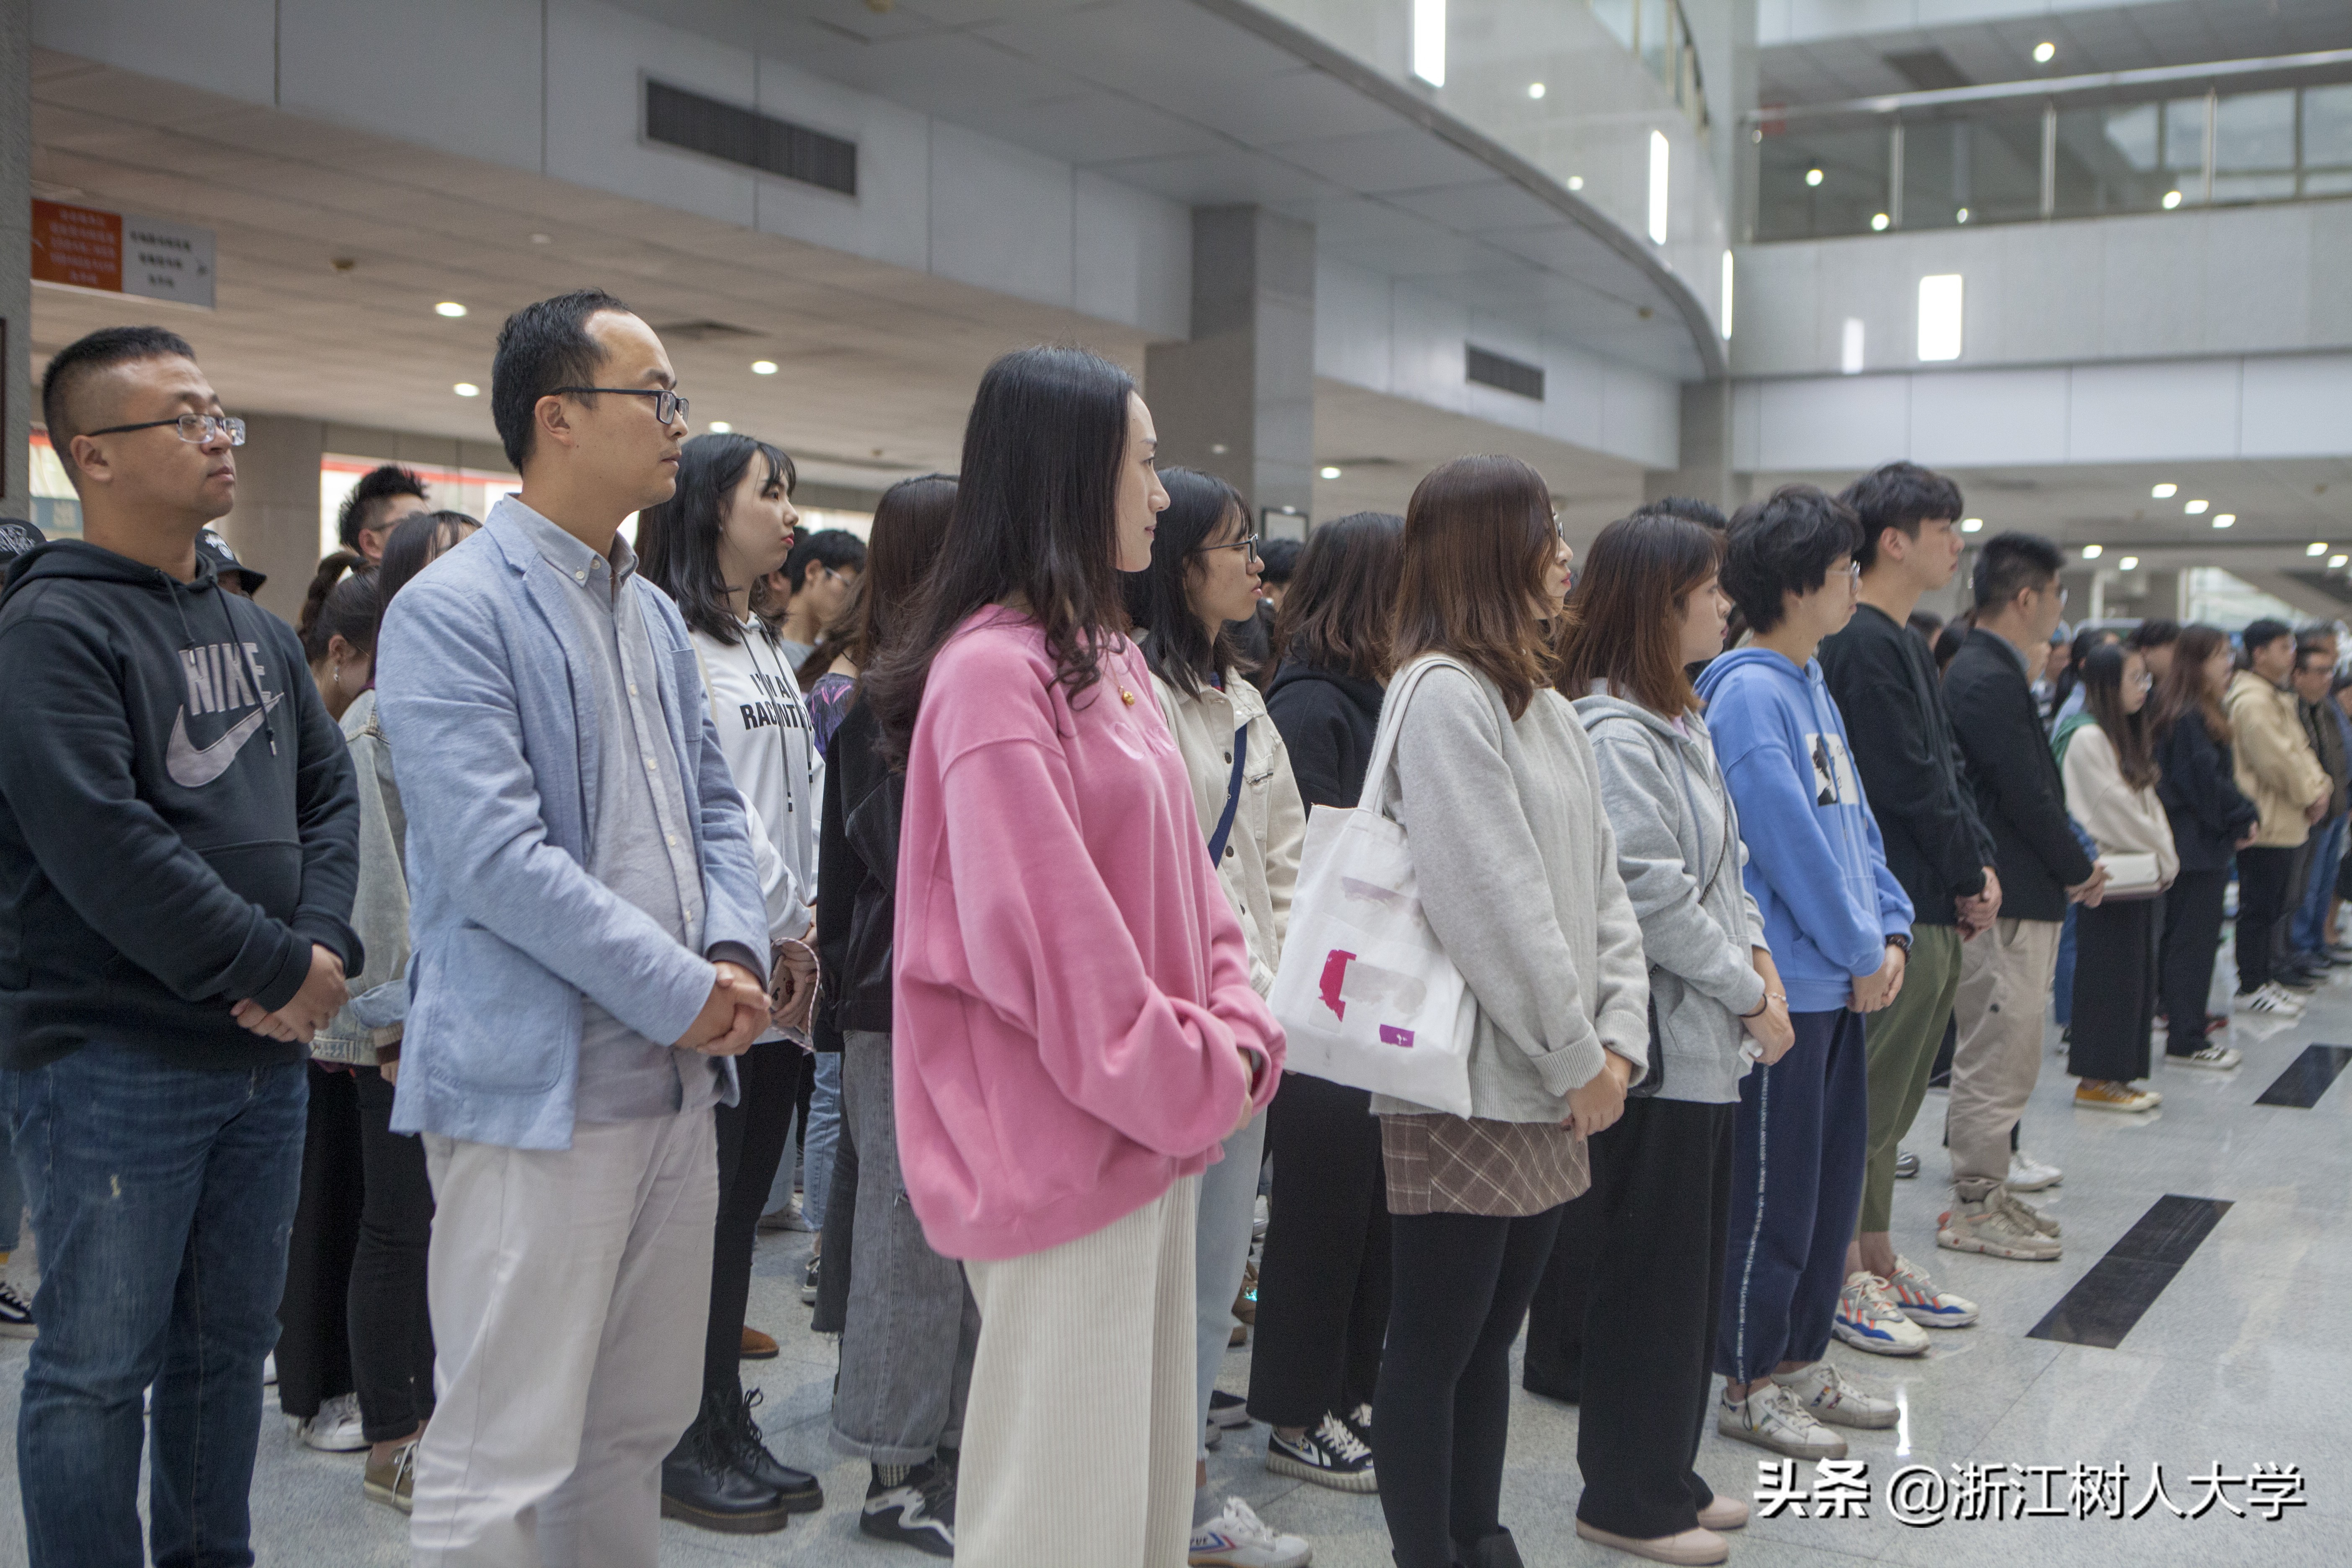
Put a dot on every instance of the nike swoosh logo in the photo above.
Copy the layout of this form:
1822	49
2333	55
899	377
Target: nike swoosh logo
192	767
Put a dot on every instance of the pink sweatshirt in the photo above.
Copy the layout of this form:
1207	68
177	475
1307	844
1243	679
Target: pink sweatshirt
1070	983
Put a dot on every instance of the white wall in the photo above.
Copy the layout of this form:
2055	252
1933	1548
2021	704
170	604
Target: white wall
2231	280
1394	337
2244	407
555	89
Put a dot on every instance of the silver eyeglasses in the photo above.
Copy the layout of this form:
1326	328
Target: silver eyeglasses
193	429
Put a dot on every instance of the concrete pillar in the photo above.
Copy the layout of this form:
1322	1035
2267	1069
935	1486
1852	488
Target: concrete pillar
1238	400
17	257
1706	472
275	528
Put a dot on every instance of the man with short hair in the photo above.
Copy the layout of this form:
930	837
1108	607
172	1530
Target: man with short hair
2006	970
2154	641
591	945
2279	772
383	497
1884	678
2307	938
818	574
179	846
1839	928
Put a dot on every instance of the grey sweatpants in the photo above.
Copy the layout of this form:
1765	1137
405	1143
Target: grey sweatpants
912	1327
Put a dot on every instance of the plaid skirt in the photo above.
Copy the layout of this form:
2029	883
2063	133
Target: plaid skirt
1452	1165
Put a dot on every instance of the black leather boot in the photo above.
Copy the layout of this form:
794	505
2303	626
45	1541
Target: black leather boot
799	1489
702	1485
1497	1551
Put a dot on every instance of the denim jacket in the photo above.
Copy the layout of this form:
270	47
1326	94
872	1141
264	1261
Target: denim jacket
475	673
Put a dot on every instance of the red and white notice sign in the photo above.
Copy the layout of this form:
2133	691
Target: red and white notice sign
109	253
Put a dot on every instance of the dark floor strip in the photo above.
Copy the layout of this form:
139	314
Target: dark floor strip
2307	1077
2120	1288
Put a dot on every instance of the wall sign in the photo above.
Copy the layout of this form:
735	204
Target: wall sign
108	253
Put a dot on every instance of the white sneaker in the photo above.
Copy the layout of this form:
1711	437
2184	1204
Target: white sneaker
1917	1298
1868	1320
2269	999
269	1370
1988	1225
2221	1059
1771	1418
2028	1212
1824	1393
2028	1174
335	1429
1237	1539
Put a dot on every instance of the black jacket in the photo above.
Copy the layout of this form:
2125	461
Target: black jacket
2021	796
2326	740
2200	791
1884	679
1328	720
179	820
857	881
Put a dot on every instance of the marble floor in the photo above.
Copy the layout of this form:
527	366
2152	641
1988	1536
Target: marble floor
2238	1363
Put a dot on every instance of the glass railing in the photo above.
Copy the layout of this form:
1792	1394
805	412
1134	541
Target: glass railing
1656	33
2262	131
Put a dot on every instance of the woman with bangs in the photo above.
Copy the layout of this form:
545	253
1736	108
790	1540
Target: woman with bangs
1517	867
1639	1258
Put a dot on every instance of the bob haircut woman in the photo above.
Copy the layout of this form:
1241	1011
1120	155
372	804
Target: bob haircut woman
1479	538
1340	610
1623	619
1074	1025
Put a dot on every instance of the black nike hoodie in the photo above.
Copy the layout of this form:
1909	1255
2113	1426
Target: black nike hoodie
179	820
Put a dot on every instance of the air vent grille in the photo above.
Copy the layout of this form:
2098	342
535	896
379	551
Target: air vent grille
1502	373
677	118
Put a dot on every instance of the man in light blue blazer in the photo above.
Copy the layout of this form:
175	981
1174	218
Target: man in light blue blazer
590	948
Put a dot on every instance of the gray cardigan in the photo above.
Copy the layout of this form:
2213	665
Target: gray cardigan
1679	849
1517	871
369	1024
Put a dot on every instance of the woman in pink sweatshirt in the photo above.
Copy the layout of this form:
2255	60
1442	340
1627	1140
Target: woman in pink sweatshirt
1076	1029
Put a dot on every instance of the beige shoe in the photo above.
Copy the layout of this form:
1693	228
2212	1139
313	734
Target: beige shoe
1724	1513
392	1482
1692	1546
1988	1225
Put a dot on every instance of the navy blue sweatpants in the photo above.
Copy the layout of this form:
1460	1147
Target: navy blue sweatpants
1796	1192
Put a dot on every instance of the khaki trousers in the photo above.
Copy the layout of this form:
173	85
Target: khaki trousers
1079	1438
2005	975
569	1290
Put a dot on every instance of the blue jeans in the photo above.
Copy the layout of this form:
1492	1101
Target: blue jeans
164	1198
2310	933
12	1195
823	1138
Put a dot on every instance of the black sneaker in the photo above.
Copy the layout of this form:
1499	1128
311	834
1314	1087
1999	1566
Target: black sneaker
1359	1422
1330	1455
919	1512
808	1282
15	1315
1227	1413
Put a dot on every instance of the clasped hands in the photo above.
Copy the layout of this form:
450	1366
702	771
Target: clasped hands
309	1010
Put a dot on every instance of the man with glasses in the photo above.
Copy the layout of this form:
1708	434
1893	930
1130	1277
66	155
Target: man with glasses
2006	971
179	830
591	950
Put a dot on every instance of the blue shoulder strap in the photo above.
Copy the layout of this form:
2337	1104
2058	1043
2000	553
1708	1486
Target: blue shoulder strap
1232	797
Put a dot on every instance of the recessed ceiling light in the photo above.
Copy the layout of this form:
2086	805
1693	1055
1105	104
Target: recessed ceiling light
1812	176
2128	563
1329	472
1535	89
2196	508
1576	181
467	389
2092	551
2172	200
2335	561
449	308
720	428
2315	548
2045	52
1971	524
763	367
2226	520
2164	492
1960	216
1878	223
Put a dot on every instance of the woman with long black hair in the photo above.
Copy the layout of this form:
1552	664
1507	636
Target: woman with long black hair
1323	1281
728	523
1075	1029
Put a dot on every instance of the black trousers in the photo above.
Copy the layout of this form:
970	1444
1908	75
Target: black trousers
2115	991
2263	879
2192	940
1443	1416
1323	1281
314	1344
390	1318
752	1134
1625	1319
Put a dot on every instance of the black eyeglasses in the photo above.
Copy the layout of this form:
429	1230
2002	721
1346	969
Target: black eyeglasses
193	429
669	409
1248	541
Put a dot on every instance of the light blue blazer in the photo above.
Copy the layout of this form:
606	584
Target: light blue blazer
480	689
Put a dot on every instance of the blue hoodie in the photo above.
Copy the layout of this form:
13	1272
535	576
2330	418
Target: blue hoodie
1816	864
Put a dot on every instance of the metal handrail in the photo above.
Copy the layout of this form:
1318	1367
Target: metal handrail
2054	87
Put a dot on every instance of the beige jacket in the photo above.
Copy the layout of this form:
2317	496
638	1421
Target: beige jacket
2276	768
1260	866
2122	820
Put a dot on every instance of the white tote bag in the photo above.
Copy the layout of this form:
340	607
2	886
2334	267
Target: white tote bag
1365	995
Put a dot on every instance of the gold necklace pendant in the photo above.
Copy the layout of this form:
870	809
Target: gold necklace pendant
1127	696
